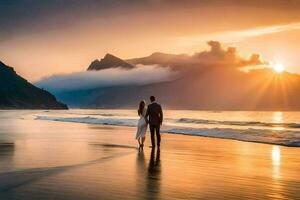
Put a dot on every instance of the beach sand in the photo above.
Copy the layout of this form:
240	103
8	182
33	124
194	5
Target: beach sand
61	160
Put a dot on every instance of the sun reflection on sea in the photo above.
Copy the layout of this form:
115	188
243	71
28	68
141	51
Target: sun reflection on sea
277	119
277	189
276	155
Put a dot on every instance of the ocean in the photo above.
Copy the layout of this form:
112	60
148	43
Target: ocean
282	128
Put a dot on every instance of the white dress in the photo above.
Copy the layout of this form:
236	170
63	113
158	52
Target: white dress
141	126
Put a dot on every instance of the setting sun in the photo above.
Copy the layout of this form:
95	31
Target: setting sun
279	68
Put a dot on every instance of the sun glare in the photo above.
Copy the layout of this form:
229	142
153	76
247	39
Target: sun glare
278	68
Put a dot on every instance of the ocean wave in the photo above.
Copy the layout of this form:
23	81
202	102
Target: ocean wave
237	123
103	115
92	120
95	114
279	137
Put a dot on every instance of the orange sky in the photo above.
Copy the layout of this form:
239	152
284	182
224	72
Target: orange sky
67	40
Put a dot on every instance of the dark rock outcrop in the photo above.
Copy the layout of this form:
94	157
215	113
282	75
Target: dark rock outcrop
18	93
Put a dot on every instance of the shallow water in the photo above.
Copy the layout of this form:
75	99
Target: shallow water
61	160
281	128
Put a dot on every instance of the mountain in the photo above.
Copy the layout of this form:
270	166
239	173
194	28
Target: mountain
155	58
214	79
164	59
109	61
17	93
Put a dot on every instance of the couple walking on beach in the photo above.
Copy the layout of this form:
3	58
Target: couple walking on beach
152	115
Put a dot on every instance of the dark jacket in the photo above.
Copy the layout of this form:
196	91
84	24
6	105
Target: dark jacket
154	114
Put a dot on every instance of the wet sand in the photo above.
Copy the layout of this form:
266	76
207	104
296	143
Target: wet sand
60	160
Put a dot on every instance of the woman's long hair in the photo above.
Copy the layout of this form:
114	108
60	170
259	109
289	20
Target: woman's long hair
141	107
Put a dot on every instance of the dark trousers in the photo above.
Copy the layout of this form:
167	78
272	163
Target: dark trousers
155	129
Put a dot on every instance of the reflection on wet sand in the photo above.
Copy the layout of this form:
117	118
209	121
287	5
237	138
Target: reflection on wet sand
7	150
154	175
148	177
276	161
277	188
141	168
141	162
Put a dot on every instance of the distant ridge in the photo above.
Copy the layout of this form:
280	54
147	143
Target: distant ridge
213	79
155	58
109	61
18	93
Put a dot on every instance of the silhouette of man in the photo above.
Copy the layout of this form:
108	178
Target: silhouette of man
154	116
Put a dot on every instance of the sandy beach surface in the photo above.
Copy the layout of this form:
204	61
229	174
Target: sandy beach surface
64	160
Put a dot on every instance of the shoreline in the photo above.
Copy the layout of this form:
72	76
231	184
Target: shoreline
67	161
296	145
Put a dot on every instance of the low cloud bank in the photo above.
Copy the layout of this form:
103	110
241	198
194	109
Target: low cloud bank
141	75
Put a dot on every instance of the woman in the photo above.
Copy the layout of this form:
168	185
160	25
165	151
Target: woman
142	124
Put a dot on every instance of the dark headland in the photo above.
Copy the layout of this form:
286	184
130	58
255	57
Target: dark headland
18	93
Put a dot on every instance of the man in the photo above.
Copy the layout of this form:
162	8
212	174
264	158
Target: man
154	116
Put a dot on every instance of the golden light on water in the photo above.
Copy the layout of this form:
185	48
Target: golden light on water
277	118
276	156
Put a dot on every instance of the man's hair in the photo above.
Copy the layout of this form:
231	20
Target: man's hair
152	98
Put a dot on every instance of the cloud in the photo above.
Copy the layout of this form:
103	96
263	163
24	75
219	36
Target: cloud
268	30
238	35
216	56
221	56
141	75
